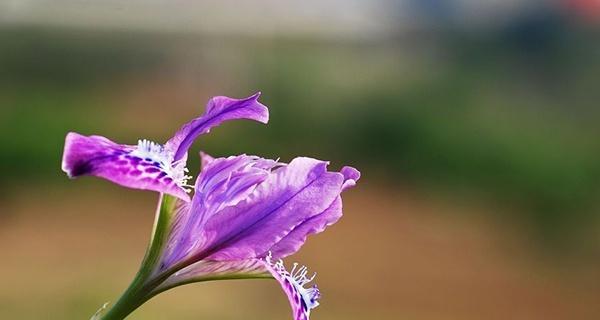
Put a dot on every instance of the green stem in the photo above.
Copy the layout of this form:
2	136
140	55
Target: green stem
141	290
148	284
137	292
130	300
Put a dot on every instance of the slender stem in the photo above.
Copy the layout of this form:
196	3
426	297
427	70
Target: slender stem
146	283
130	300
139	292
136	293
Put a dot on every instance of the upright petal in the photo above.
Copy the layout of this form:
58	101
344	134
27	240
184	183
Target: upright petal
223	182
226	181
125	165
218	110
290	196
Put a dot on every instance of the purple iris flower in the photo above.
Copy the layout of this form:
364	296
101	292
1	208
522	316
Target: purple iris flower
245	215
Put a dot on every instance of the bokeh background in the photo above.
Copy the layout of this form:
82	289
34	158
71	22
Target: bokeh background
475	124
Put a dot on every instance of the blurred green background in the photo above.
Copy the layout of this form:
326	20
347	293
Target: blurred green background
475	125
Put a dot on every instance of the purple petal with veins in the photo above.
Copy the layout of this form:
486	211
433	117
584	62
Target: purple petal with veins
151	166
291	195
218	110
247	209
121	164
245	206
223	182
302	300
292	241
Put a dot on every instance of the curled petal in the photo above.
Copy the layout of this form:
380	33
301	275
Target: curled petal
288	197
351	176
302	300
218	110
125	165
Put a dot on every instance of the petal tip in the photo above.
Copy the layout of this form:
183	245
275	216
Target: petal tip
351	176
69	165
205	159
263	110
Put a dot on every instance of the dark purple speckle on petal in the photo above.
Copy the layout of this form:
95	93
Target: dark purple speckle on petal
303	304
82	168
152	170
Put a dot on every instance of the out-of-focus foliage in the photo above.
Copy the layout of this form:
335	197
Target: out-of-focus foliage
509	113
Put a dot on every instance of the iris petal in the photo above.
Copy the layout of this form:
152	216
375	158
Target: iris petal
218	110
291	195
302	299
101	157
152	166
247	210
223	182
293	241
